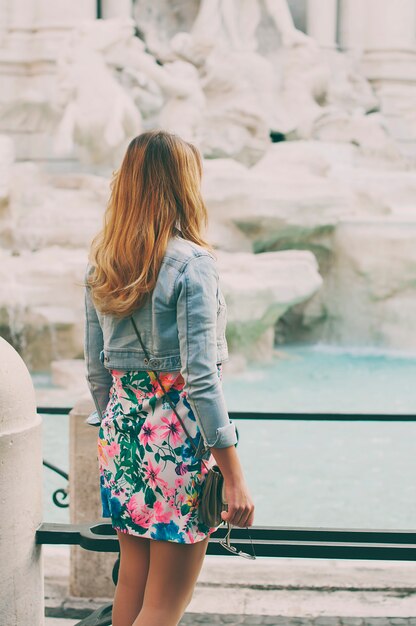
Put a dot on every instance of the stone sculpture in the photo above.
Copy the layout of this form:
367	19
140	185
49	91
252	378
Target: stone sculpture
101	113
336	173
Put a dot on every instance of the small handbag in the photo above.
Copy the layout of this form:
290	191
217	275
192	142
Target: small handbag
213	500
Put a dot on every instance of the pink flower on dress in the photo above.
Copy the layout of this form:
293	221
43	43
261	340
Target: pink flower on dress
118	385
161	515
181	497
139	511
139	393
156	388
167	379
152	475
179	382
172	428
204	469
113	449
179	482
148	432
168	492
190	536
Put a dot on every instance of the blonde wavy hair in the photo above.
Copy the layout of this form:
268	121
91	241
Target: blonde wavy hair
156	189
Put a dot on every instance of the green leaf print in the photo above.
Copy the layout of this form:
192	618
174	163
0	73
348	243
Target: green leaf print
131	395
119	474
142	378
178	450
149	497
185	509
157	457
129	479
152	403
168	457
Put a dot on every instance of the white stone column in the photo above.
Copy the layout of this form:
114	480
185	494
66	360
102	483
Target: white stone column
4	19
42	19
53	20
390	25
321	21
117	8
19	16
378	24
353	20
389	62
90	572
61	13
21	474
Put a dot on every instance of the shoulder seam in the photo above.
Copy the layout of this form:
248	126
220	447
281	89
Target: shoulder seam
185	265
195	256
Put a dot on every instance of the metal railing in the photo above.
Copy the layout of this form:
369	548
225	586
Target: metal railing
262	415
268	541
61	492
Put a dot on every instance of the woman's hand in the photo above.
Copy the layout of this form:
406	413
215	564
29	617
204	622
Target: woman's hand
240	505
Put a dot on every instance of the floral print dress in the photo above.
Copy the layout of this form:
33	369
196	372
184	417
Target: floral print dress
150	480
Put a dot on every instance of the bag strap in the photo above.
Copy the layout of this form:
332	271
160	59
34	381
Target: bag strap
165	394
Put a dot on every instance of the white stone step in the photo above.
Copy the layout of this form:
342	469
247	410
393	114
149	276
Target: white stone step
288	587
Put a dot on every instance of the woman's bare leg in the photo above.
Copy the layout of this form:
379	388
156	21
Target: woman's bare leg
173	572
132	575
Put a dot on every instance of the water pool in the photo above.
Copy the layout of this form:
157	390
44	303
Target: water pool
311	473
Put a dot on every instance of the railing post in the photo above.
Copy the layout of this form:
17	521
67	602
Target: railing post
21	572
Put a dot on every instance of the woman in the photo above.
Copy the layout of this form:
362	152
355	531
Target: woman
152	262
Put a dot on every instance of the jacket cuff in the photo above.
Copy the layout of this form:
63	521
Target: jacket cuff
93	419
226	436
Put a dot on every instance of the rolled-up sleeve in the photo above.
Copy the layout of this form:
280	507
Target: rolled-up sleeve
98	377
197	287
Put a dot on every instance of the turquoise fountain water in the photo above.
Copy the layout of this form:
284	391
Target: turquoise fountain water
312	473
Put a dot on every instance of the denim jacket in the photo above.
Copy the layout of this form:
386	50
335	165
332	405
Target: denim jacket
182	326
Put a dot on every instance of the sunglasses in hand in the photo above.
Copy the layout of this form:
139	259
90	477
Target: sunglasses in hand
225	543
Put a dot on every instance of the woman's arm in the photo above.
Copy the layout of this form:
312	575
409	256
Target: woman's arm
197	324
98	377
196	289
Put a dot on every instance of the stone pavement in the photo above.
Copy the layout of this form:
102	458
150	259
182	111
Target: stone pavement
292	592
254	620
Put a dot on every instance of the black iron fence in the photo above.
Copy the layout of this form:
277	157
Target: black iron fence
268	541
